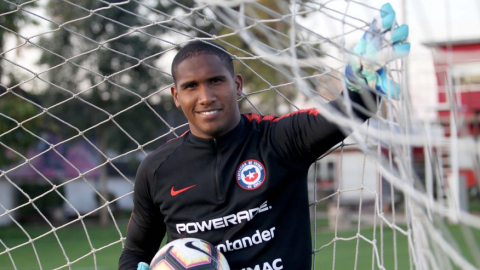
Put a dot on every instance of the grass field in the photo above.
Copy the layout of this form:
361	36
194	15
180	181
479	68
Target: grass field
346	251
74	242
75	245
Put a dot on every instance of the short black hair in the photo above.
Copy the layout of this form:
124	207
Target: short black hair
199	47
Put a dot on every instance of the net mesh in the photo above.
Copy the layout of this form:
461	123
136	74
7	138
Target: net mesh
84	96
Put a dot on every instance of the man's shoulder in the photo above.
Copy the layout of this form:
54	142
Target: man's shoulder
258	118
156	157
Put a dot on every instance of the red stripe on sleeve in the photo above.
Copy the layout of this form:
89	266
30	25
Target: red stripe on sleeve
272	118
311	111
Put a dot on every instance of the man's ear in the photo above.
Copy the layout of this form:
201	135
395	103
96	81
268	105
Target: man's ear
239	84
174	92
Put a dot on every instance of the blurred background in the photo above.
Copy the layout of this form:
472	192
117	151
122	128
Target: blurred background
85	96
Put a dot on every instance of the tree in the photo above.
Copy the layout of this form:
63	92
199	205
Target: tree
11	21
105	77
261	75
14	107
14	110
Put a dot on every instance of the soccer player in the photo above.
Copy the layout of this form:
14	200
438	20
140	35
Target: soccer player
238	180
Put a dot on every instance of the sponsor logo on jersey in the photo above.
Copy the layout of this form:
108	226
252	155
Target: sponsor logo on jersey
248	241
176	192
222	222
251	174
275	265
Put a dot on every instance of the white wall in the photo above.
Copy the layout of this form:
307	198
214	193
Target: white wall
83	197
357	171
352	171
120	188
6	200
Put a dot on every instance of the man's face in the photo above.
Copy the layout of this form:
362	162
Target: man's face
207	94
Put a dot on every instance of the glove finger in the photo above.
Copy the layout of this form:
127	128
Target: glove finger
374	60
371	40
386	86
400	33
355	81
376	29
378	80
400	50
388	16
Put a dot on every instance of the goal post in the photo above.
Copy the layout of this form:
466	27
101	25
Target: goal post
84	97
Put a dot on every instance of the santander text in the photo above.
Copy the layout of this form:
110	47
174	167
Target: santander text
245	242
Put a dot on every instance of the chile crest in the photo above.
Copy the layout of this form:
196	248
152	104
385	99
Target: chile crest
251	174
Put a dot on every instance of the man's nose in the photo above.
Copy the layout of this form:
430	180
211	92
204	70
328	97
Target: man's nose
206	95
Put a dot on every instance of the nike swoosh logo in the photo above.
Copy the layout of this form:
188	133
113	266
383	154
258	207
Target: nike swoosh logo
190	245
176	192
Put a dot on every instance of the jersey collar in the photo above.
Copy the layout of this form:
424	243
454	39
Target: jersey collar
234	136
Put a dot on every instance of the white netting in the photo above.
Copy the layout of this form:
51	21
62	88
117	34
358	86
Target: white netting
84	96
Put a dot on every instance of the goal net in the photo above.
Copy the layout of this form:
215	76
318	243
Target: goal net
85	96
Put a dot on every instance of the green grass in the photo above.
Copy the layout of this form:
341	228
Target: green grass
391	256
343	253
75	244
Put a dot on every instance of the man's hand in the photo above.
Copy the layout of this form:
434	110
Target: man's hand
143	266
381	43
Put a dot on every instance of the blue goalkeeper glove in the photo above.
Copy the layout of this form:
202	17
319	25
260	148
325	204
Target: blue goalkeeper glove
143	266
381	43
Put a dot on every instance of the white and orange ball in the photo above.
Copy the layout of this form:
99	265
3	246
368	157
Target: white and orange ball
189	254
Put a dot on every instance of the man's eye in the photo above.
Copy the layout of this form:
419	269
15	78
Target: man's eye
215	80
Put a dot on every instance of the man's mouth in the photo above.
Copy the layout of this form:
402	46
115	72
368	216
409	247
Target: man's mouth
209	112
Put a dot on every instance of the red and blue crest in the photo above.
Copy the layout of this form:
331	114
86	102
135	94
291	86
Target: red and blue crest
251	174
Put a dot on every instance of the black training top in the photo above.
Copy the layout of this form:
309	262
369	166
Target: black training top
245	192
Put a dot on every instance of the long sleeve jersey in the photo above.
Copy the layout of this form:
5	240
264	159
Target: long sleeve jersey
245	191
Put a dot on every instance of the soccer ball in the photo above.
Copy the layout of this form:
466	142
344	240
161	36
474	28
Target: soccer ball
189	254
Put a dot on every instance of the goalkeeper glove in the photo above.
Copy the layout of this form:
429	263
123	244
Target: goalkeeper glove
143	266
381	43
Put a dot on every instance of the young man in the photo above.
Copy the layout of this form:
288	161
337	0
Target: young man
236	181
